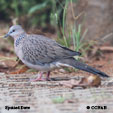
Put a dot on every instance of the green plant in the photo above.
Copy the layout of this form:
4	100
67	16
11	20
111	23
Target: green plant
59	99
34	12
74	37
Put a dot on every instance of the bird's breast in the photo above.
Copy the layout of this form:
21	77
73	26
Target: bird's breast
18	51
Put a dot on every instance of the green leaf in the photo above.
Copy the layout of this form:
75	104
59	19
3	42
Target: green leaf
37	7
59	99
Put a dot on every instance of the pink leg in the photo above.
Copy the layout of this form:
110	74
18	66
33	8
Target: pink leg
39	77
47	76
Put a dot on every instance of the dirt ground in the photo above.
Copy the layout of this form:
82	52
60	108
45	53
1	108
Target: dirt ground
51	96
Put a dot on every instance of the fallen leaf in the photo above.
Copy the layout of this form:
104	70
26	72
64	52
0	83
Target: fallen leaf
90	81
106	48
20	71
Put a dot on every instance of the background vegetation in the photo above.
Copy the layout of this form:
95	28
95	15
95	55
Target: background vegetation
43	13
48	14
37	12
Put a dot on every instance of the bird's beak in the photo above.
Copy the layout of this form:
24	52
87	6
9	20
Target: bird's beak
7	35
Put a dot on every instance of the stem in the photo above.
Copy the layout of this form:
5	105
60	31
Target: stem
16	8
64	17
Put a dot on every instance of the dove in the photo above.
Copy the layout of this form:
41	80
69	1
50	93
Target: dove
44	54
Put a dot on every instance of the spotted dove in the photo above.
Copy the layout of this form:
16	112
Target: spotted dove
44	54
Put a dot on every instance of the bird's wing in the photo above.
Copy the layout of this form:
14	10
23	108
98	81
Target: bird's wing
39	49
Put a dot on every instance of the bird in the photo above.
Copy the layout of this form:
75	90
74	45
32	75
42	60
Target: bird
44	54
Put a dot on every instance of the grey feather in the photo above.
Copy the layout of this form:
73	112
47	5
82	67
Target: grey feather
82	66
38	49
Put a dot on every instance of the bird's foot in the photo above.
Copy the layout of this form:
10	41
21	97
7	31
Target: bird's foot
40	79
37	79
48	79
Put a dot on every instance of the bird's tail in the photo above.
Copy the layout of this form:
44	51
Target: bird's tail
82	66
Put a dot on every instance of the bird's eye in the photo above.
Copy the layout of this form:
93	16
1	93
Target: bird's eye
13	30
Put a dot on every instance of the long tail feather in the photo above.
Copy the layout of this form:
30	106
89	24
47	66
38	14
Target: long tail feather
82	66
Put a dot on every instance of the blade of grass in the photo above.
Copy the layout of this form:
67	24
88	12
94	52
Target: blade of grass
64	17
7	58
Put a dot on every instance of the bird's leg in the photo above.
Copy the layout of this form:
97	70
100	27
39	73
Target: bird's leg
39	77
47	76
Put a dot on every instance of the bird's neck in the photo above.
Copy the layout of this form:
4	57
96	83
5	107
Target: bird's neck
19	39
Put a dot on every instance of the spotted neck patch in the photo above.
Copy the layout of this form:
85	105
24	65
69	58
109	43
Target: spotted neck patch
18	40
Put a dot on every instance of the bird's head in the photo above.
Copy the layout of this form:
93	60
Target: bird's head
15	31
